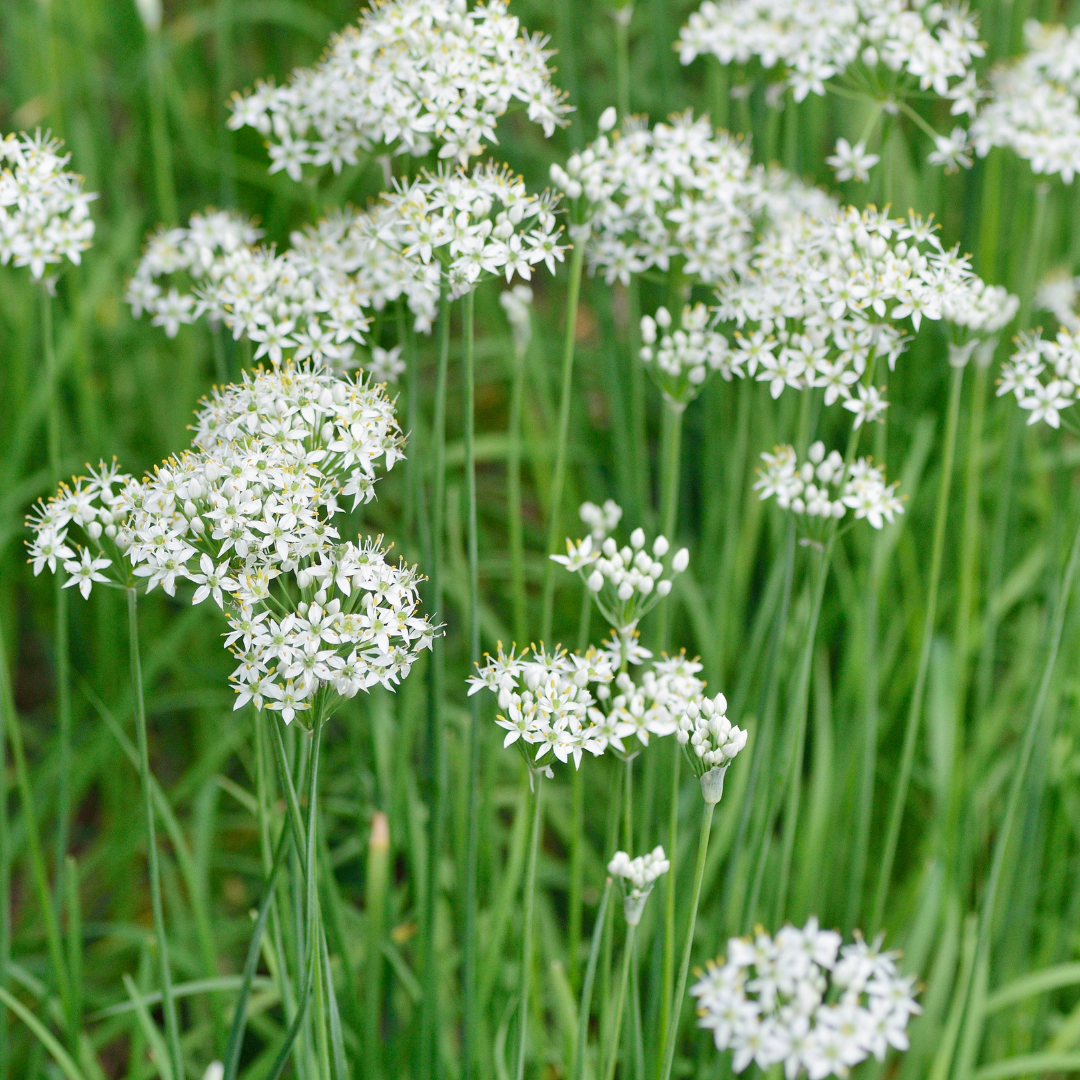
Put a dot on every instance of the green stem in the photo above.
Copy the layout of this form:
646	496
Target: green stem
527	928
223	61
669	496
172	1026
911	731
429	1006
558	479
165	184
313	912
620	1005
1016	787
60	597
622	15
8	706
513	499
667	980
375	889
639	441
672	1030
472	838
587	988
577	874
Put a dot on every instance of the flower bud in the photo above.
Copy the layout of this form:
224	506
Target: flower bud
596	581
681	560
607	119
663	587
626	590
94	530
660	547
110	531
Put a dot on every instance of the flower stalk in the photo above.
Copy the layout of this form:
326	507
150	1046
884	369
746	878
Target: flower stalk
537	781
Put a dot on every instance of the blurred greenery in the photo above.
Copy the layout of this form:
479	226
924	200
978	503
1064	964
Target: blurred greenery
89	70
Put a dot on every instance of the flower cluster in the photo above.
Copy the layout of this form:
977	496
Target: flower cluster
1033	108
681	359
413	74
801	1000
1059	294
546	700
711	741
638	877
247	516
627	582
517	303
882	47
44	212
475	224
678	191
821	487
601	520
1044	375
824	298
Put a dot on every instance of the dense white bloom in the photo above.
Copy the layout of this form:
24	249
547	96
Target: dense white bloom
1059	294
546	700
710	741
793	1000
681	358
1044	375
601	520
476	225
412	75
385	365
677	191
627	582
44	212
247	513
824	298
822	488
852	162
953	151
881	45
638	877
517	303
1033	108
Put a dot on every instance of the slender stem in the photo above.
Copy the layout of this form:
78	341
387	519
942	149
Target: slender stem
639	443
527	928
1017	785
429	1006
164	181
620	1005
60	599
513	499
669	496
558	479
628	807
223	62
472	839
577	873
375	889
672	1030
622	16
585	1006
5	869
667	978
313	910
907	756
412	411
172	1026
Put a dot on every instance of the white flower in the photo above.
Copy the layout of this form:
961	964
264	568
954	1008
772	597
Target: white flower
386	365
852	162
476	225
412	75
868	406
768	1002
824	298
682	358
44	212
517	303
1033	107
952	151
638	877
85	571
820	488
603	520
627	582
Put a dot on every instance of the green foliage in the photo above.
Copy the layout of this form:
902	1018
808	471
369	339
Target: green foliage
88	70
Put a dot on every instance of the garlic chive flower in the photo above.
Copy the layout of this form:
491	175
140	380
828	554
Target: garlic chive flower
873	278
44	212
1043	374
710	741
627	582
287	304
681	358
1058	293
821	488
803	1001
638	876
679	191
92	508
412	75
601	520
629	712
517	303
852	162
907	48
1033	107
546	701
475	225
